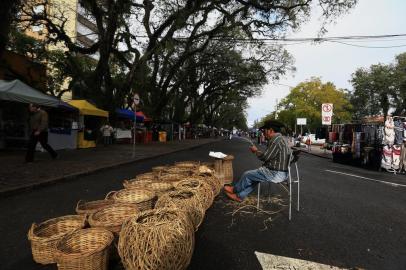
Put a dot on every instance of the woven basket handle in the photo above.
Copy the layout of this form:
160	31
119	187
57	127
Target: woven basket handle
110	194
80	202
125	183
31	231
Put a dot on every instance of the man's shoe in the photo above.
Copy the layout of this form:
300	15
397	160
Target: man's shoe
229	188
233	197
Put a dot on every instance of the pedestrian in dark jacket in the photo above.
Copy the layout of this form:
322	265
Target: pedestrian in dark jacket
275	163
38	132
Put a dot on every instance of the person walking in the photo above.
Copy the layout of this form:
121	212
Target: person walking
38	132
275	163
107	131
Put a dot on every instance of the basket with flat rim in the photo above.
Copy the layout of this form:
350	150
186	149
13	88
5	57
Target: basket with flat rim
112	217
171	177
87	208
158	169
146	176
143	198
44	236
228	169
178	170
86	249
137	183
202	188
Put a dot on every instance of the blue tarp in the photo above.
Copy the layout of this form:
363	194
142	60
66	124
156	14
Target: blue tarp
123	113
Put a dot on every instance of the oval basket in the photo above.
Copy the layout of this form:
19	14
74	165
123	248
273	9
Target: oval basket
157	239
143	198
178	170
158	169
171	177
84	249
44	236
201	187
146	176
87	208
112	217
187	164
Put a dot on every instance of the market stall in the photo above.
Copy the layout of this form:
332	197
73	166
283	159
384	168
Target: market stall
125	125
90	121
14	115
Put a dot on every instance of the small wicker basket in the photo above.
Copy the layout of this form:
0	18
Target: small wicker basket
158	169
202	188
86	249
187	164
146	176
143	198
228	169
135	183
179	170
160	187
87	208
171	177
44	236
112	217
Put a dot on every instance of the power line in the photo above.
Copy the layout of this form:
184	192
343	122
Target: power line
371	47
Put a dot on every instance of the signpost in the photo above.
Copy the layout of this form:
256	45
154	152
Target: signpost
136	101
301	122
326	113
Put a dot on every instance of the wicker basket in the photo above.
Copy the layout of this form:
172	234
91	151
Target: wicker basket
87	208
157	239
186	200
113	216
178	170
143	198
86	249
202	188
160	187
228	169
146	176
158	169
43	237
135	183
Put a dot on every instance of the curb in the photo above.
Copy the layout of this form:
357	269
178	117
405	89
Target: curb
13	191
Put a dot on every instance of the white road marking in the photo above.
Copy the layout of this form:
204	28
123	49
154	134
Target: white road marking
367	178
274	262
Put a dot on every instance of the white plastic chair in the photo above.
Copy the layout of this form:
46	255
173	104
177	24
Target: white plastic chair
293	158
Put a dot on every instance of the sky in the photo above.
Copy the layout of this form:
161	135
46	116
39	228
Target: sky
335	62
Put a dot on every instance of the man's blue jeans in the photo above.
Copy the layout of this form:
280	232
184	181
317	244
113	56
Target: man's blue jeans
251	178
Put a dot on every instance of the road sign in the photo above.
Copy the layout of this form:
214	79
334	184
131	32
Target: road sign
326	113
301	121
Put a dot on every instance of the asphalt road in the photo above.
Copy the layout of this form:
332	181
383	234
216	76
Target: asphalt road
349	217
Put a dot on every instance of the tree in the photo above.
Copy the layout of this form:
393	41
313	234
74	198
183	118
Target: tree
8	12
373	90
305	101
154	39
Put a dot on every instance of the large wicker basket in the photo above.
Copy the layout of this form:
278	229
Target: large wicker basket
44	236
113	216
171	177
86	249
228	169
87	208
202	188
143	198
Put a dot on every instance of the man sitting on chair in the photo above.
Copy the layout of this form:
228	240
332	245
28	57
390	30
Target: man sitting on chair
275	163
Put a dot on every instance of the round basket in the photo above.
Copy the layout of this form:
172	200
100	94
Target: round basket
112	217
178	170
142	198
186	200
87	208
135	183
157	239
187	164
201	187
204	170
160	187
84	249
44	236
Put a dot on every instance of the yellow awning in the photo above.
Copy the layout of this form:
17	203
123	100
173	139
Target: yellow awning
86	108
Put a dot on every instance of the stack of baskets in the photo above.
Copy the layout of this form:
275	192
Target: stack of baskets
180	194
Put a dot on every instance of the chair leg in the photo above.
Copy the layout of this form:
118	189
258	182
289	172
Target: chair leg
290	195
298	187
259	192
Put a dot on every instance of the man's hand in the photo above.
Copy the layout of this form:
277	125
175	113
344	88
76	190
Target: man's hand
253	149
36	133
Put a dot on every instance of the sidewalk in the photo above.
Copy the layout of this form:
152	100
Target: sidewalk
15	175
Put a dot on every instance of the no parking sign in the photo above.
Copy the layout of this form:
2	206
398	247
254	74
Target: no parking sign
326	113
